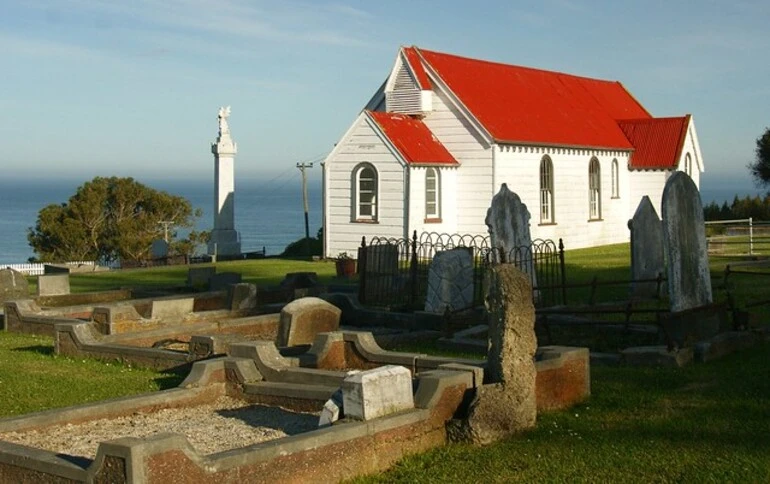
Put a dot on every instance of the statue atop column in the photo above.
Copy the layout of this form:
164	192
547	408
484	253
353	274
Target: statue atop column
224	128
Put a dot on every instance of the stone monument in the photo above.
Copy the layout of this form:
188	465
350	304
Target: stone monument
508	403
224	238
647	261
684	235
450	281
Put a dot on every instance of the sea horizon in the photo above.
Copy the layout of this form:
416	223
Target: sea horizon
268	210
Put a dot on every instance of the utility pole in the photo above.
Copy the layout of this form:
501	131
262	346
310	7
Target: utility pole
166	224
302	167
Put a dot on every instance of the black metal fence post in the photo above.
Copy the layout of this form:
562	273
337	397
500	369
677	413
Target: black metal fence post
362	271
413	271
563	273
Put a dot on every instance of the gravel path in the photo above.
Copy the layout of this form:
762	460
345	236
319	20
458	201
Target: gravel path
225	424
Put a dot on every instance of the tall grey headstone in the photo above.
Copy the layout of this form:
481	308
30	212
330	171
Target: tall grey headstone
450	281
508	223
684	235
647	261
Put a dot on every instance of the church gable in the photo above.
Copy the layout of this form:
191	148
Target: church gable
408	89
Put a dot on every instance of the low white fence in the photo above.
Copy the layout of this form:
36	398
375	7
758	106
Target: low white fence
38	269
738	237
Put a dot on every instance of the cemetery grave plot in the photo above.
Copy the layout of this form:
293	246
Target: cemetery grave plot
225	423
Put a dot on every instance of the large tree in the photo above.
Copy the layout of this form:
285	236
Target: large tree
107	219
760	168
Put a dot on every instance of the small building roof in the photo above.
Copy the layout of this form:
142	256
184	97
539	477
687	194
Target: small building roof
412	138
658	142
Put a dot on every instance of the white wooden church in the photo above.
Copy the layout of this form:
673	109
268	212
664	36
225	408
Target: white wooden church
443	132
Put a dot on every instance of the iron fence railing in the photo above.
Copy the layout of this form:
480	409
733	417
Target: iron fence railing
393	272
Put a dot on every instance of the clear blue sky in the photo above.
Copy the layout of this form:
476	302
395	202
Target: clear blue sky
132	88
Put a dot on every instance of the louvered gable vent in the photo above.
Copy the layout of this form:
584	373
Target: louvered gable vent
405	97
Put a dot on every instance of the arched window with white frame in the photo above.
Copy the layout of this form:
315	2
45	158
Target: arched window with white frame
615	179
688	165
432	194
546	191
594	190
365	192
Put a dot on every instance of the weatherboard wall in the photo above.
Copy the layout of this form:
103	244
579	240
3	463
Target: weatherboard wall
474	175
446	222
362	145
519	168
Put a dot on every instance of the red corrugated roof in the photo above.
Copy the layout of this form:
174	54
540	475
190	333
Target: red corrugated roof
658	142
415	64
521	104
412	139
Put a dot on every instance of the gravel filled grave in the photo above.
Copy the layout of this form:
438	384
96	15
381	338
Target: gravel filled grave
227	423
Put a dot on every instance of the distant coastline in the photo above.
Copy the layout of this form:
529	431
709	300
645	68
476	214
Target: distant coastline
269	211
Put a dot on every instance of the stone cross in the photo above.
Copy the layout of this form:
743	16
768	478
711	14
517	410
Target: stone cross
684	235
647	260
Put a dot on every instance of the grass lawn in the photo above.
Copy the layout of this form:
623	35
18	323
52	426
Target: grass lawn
703	423
33	378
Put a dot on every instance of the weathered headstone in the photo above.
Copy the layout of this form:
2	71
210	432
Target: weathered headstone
242	296
647	260
508	403
378	392
177	308
382	274
684	235
450	281
13	285
508	223
53	284
303	318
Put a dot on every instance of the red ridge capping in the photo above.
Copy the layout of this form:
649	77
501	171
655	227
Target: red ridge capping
412	138
658	142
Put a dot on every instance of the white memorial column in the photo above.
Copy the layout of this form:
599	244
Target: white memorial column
224	238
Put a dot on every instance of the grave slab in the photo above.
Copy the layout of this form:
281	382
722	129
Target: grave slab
378	392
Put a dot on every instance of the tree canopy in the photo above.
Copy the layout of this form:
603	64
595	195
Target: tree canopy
108	219
760	168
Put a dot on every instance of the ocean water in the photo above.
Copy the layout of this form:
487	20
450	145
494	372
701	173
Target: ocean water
268	213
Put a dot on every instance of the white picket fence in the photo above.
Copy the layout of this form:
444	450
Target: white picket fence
38	269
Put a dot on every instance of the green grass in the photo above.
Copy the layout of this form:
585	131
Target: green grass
33	378
263	272
703	423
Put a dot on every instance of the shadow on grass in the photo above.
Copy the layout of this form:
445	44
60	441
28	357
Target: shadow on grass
39	349
169	380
